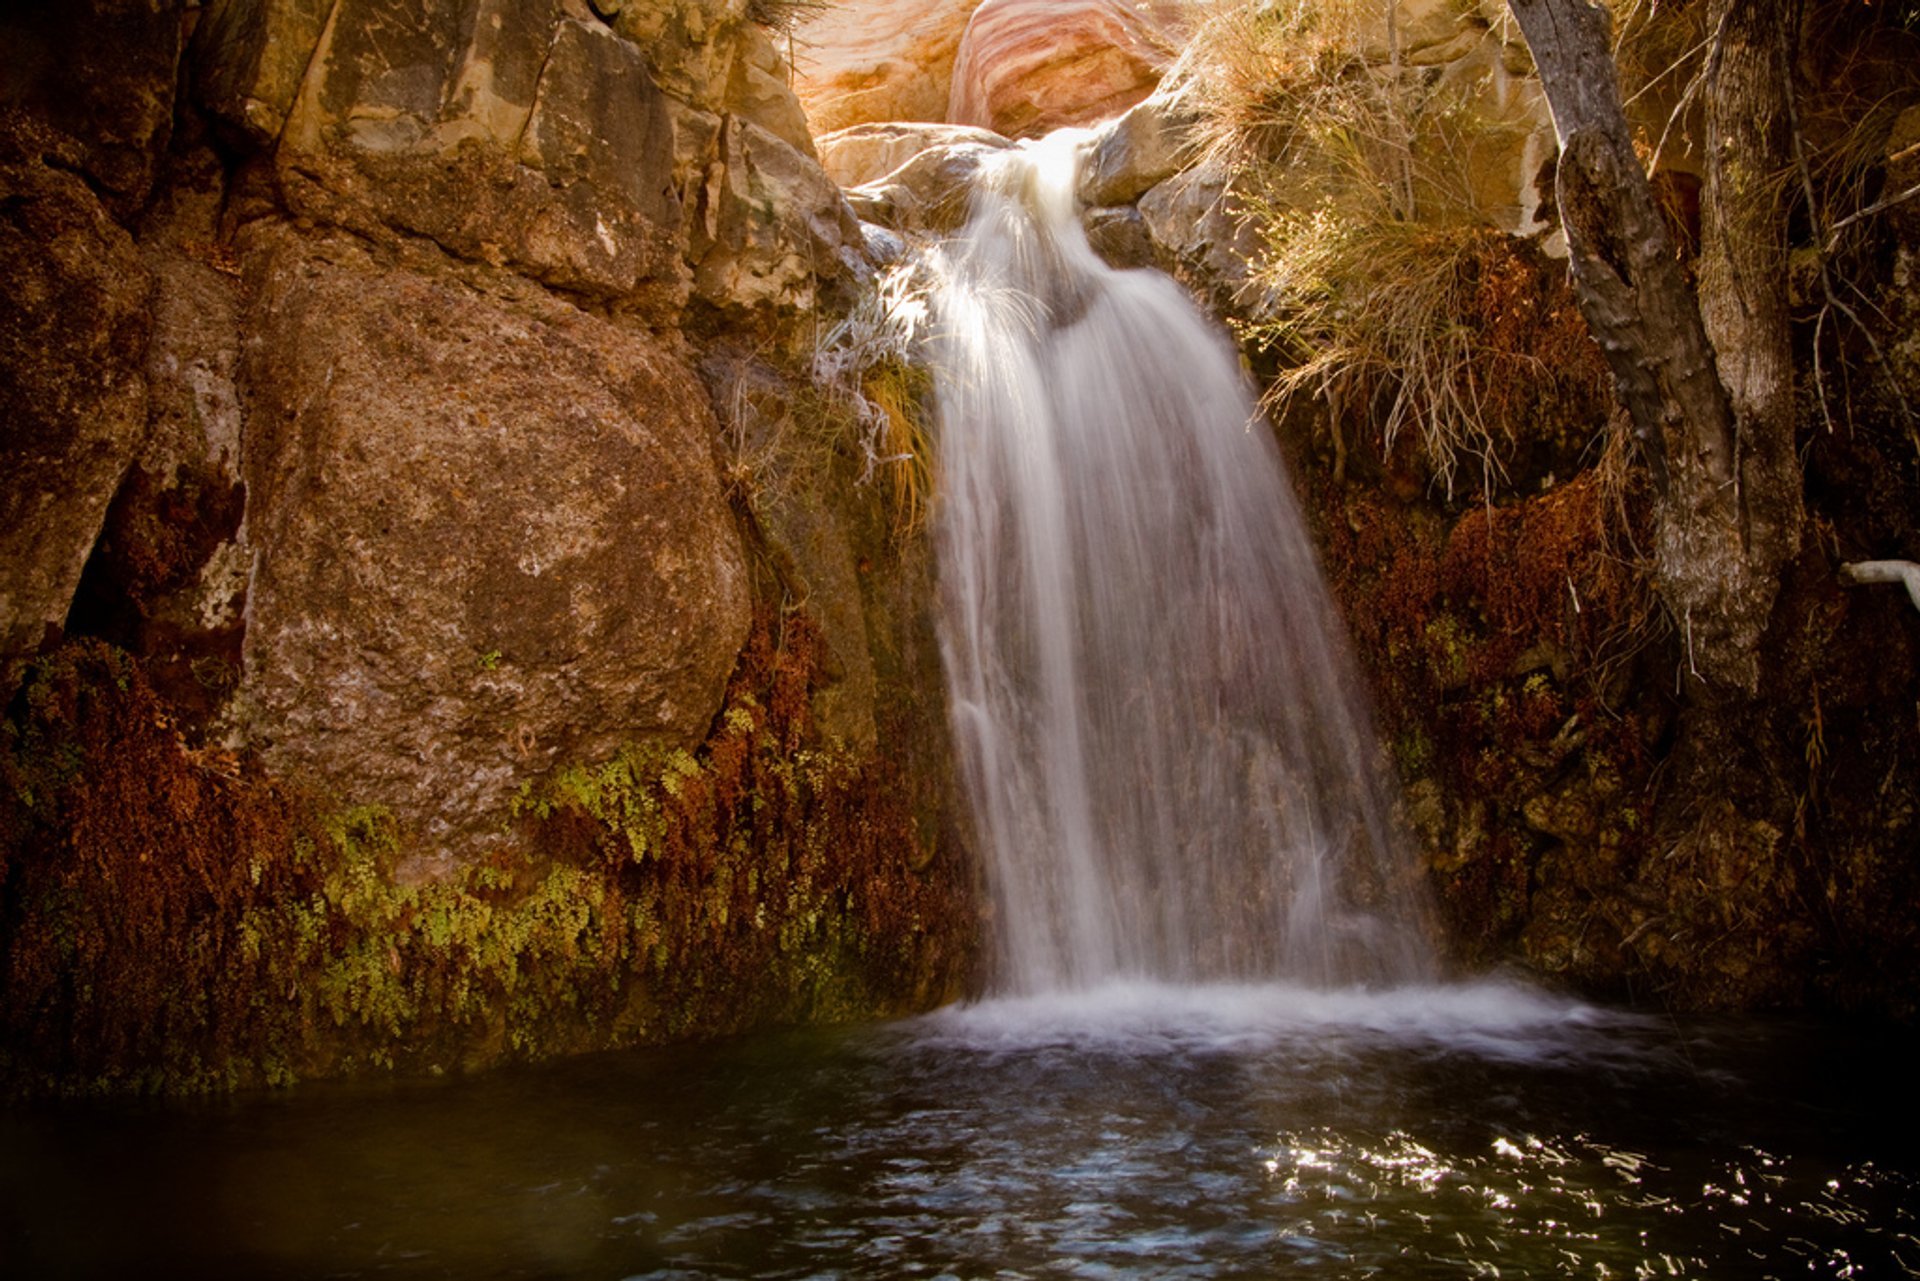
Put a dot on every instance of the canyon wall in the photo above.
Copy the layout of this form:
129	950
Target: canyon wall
406	412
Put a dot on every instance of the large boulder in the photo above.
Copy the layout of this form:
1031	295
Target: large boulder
74	326
1027	67
1136	151
890	60
489	537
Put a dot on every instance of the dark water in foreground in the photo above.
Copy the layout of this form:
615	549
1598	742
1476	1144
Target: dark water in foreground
1226	1132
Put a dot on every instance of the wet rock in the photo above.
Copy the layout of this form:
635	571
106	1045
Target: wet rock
1027	67
1191	217
1141	149
74	326
1578	812
488	534
1121	238
893	60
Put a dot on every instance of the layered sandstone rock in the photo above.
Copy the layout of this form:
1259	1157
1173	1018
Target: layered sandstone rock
1026	67
863	63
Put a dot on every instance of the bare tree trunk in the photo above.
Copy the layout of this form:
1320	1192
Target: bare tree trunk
1743	273
1643	312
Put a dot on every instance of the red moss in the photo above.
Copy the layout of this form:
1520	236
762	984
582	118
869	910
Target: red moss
175	921
129	862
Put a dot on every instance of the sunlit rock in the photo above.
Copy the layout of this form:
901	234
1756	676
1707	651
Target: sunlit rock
861	63
1026	67
930	192
770	224
606	154
1191	217
1149	144
866	153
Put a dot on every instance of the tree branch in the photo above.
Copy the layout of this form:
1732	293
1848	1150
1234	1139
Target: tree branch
1885	571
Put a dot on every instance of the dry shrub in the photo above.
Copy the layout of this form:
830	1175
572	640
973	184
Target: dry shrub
868	364
1457	333
1384	285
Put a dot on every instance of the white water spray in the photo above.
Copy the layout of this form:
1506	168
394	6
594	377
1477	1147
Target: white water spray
1168	759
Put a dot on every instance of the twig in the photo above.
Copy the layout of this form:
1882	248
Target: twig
1832	303
1833	240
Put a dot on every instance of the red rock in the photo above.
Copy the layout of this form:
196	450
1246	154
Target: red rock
1026	67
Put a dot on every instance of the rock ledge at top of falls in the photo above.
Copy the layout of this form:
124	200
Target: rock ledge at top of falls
909	177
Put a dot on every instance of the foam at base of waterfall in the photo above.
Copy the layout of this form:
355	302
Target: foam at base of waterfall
1489	1018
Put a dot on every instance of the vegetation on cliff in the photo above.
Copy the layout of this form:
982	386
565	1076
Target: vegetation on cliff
1653	744
177	920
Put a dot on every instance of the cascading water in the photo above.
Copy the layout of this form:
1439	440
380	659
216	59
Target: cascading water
1169	762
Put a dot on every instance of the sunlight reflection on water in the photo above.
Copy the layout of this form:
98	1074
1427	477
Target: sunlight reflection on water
1484	1130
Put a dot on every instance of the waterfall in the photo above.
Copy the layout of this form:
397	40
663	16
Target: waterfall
1167	754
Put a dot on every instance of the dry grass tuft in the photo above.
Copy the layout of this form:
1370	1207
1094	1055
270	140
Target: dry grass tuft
1384	284
868	363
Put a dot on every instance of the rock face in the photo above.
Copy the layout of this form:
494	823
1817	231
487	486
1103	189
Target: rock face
73	399
1026	67
489	539
401	603
111	95
864	63
521	156
637	162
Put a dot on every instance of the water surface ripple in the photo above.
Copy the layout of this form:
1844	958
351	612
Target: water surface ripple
1260	1131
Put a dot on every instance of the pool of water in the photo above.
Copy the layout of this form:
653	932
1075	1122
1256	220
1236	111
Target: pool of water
1136	1131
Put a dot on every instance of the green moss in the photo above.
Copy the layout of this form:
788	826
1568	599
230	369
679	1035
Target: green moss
177	930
